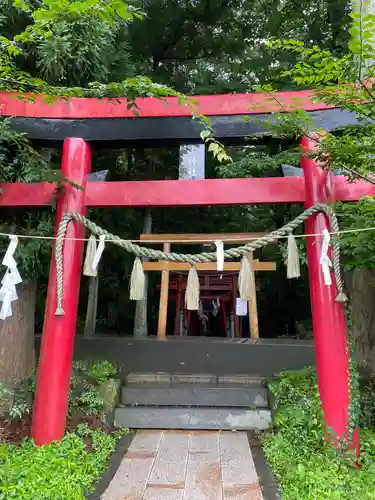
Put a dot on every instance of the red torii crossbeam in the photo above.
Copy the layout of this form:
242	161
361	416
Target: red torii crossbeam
152	107
330	329
184	193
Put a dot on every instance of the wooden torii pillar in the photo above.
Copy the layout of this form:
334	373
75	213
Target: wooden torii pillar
328	315
193	239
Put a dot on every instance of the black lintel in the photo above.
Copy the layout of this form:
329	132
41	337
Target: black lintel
162	131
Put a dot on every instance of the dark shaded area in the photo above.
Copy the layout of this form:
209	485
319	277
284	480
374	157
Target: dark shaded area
266	476
113	464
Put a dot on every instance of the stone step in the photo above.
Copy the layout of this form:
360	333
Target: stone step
192	418
193	378
229	395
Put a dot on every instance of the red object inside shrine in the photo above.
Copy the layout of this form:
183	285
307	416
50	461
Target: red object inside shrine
218	294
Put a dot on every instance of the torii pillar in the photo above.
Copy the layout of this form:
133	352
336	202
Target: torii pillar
328	316
56	352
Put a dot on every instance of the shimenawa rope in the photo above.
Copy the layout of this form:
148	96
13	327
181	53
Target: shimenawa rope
193	259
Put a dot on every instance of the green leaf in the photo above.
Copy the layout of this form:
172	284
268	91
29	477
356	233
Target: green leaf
213	147
205	134
21	5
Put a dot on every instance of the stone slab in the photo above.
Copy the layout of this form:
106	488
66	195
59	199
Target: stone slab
194	395
204	441
188	465
243	379
131	478
163	494
192	418
243	492
194	378
203	475
237	463
156	377
146	441
170	465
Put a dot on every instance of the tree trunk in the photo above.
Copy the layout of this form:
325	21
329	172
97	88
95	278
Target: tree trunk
361	288
140	318
17	350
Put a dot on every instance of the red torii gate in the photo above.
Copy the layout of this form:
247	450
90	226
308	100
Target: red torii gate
330	329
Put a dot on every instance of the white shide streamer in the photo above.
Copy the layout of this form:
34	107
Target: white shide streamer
8	292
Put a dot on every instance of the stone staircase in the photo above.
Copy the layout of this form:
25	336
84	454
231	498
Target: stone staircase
193	401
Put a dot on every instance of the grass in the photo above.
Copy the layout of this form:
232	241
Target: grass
305	466
66	470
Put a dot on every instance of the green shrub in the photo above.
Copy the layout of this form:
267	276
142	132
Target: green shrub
102	371
84	395
367	417
86	378
66	470
17	403
305	466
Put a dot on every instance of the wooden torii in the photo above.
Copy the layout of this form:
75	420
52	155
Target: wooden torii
166	267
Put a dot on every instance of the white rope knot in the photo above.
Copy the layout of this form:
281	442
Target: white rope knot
98	254
325	261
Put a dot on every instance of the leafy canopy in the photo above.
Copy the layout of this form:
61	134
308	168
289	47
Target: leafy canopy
347	82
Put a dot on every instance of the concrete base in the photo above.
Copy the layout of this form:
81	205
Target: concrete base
192	418
197	355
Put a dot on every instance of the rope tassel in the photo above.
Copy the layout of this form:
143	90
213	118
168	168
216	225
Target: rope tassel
293	262
246	279
342	297
89	259
137	281
192	290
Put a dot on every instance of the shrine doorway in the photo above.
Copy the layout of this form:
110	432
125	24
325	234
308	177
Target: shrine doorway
221	314
214	318
210	320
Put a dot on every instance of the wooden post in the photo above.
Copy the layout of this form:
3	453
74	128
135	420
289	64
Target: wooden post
163	305
179	307
92	306
188	322
236	318
224	317
209	266
253	310
140	317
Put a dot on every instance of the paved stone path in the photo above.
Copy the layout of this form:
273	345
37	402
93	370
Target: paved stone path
183	465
